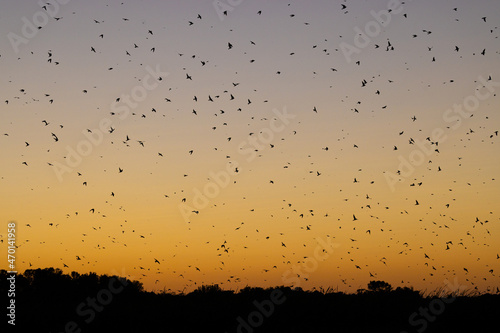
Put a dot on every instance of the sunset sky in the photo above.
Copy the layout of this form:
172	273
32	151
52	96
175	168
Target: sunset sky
267	130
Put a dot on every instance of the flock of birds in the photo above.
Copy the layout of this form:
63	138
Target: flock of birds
222	110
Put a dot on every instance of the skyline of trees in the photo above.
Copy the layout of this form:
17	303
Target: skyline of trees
48	300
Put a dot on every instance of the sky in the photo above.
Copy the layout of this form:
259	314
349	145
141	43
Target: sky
318	144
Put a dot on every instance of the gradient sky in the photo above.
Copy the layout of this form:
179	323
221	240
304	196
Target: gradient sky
289	58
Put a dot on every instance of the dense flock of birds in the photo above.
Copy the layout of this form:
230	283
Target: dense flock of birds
222	108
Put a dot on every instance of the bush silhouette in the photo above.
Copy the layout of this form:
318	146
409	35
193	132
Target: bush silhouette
379	286
47	300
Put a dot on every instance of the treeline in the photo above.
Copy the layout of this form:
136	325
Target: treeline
49	301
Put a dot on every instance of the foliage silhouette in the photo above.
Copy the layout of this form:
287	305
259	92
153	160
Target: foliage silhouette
379	286
47	300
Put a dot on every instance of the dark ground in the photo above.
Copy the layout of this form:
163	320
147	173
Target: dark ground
49	301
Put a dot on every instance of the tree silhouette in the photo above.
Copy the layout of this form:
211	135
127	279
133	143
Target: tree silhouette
47	300
379	286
